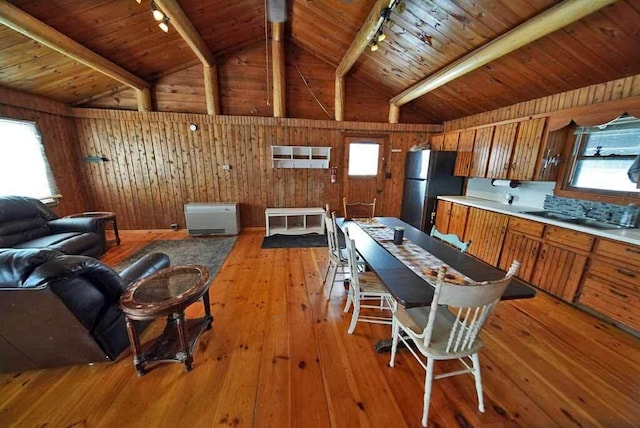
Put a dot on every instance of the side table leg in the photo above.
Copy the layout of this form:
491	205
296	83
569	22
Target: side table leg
207	308
138	359
183	335
115	230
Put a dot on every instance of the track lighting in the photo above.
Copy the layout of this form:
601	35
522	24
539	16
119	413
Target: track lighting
374	47
381	36
164	25
157	13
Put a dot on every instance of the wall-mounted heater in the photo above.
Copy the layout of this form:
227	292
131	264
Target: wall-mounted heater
206	218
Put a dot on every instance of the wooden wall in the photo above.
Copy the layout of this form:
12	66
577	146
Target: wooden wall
607	91
243	90
60	142
157	164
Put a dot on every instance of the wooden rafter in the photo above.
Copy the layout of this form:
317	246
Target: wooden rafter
29	26
183	25
537	27
278	64
359	44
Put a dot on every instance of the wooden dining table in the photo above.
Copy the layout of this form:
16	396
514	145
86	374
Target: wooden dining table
406	287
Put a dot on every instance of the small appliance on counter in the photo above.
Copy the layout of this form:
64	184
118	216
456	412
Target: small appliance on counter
428	174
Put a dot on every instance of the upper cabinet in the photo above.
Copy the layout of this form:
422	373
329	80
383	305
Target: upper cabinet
551	154
526	149
481	152
451	141
504	138
465	153
437	142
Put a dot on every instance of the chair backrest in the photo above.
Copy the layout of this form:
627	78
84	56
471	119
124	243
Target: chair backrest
332	235
451	238
352	257
359	209
473	304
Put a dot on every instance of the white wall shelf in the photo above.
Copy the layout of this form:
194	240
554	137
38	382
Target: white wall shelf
300	157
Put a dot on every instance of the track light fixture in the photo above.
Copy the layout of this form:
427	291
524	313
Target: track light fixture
379	35
164	25
374	46
158	15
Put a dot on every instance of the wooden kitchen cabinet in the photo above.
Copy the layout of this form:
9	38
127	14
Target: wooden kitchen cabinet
526	148
486	230
437	142
612	283
458	219
465	153
550	156
562	261
443	214
522	242
502	144
481	152
451	141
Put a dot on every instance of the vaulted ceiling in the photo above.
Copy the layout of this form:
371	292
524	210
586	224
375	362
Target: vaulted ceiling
423	36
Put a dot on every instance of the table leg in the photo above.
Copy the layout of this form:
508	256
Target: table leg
115	230
183	334
138	360
207	308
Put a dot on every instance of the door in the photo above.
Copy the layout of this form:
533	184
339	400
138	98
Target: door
364	178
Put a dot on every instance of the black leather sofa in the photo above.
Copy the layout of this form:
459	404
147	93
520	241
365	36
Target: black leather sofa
28	223
57	309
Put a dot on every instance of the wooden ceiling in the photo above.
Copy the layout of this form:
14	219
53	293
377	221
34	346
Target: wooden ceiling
422	37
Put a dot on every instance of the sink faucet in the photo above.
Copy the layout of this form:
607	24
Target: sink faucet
586	209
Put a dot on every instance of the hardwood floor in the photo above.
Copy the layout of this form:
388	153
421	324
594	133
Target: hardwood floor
279	356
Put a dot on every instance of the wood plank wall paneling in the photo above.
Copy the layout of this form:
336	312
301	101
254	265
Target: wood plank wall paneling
157	164
61	147
243	89
603	92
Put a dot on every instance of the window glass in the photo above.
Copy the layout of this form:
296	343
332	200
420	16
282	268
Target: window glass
604	156
363	158
24	169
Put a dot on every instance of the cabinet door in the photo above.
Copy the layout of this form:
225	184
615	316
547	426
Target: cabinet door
559	270
465	153
501	149
522	248
486	231
451	141
620	303
458	219
526	149
481	152
437	142
443	213
551	155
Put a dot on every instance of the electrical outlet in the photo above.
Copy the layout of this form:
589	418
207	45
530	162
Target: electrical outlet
226	167
388	175
174	226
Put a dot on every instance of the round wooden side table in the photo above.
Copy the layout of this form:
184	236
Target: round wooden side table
167	292
105	217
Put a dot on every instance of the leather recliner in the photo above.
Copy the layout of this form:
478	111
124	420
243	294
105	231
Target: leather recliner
28	223
60	310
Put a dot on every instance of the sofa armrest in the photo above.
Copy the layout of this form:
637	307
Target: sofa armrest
77	224
147	265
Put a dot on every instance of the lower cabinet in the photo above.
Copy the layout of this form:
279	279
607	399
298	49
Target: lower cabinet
486	231
458	219
522	248
443	214
558	271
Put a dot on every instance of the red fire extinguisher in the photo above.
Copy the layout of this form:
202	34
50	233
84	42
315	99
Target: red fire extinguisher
334	174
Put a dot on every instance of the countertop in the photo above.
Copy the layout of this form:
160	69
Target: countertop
630	236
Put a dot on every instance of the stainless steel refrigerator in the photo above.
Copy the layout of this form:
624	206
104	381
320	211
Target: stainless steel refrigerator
428	174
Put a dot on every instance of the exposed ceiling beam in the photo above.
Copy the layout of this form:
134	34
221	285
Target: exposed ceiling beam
278	69
537	27
26	24
183	25
359	44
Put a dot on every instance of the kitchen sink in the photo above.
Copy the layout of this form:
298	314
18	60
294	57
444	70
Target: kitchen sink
588	222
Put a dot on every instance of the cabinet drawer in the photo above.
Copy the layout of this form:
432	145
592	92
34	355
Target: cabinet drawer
627	275
619	303
527	227
626	253
569	238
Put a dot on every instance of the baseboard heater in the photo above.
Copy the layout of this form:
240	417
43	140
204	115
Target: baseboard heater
206	218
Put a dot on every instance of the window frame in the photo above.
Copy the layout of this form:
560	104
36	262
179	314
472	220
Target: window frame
379	161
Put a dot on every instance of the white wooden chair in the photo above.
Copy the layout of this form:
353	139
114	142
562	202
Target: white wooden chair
337	258
450	238
439	333
365	287
359	209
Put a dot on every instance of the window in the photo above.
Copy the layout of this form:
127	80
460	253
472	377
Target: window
603	156
24	169
363	159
